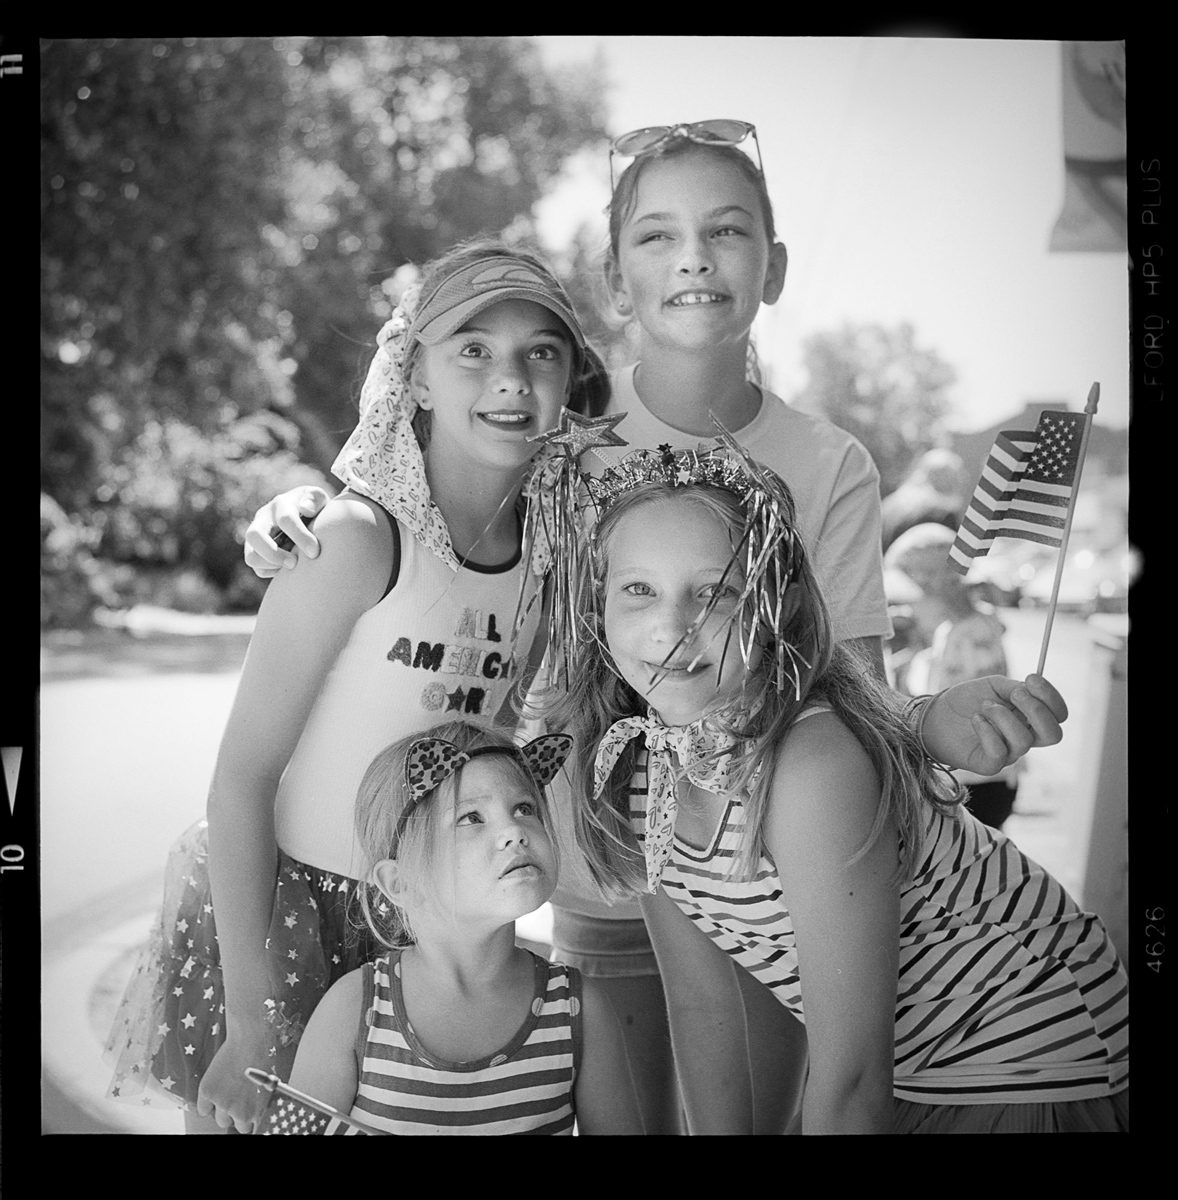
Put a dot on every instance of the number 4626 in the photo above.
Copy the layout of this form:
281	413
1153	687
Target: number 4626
1155	930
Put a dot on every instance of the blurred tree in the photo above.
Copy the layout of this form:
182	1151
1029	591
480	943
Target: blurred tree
877	384
157	170
221	218
580	265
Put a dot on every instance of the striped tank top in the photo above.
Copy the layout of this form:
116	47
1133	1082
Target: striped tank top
1007	990
526	1087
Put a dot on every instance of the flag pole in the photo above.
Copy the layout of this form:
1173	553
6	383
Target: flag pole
1089	414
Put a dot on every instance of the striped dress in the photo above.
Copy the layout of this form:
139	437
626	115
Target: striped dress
1007	991
527	1087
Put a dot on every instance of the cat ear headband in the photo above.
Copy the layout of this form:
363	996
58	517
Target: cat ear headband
432	760
768	553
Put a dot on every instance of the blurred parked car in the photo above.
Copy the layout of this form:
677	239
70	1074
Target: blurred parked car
1092	581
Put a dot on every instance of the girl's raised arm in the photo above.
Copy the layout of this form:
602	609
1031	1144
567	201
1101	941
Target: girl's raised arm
846	919
305	620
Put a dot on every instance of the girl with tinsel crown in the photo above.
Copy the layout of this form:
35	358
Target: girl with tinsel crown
771	804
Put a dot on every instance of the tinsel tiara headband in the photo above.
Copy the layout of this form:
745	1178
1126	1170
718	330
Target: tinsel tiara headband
766	557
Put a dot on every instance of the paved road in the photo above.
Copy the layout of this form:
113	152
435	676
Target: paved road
128	741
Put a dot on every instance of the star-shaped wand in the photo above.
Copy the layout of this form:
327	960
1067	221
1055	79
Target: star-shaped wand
575	434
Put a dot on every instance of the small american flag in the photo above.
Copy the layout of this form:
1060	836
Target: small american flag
292	1112
1025	489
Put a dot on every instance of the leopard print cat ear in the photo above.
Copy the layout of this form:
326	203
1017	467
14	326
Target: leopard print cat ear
544	756
429	762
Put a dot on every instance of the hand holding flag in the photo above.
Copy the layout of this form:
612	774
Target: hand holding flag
289	1111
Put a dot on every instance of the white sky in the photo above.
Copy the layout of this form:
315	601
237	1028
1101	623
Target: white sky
913	179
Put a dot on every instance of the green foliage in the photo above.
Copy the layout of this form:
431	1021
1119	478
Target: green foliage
220	220
169	520
877	384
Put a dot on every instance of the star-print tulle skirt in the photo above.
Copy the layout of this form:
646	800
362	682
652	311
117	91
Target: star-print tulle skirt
171	1020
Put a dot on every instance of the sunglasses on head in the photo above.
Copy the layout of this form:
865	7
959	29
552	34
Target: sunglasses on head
720	132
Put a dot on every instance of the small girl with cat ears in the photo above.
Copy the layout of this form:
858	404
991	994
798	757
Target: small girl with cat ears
455	1029
770	802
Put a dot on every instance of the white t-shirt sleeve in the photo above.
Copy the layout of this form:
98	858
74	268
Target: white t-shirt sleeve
848	555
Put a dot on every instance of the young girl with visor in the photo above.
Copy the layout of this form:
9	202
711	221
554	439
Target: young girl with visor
405	615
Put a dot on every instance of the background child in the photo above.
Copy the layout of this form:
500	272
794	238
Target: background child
456	1029
693	254
946	635
769	798
406	614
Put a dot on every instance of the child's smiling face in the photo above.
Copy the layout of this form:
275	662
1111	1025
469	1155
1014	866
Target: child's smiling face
694	262
495	382
665	561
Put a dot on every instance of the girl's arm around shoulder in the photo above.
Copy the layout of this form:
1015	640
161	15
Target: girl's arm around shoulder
823	803
325	1066
355	551
604	1091
286	513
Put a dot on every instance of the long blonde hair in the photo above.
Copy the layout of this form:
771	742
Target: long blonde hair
828	673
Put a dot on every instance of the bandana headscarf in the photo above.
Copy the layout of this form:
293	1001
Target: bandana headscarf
705	753
382	459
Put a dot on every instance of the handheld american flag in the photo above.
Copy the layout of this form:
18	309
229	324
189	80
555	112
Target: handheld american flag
1026	487
289	1111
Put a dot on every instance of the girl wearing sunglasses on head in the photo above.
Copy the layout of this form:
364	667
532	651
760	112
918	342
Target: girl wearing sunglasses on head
693	254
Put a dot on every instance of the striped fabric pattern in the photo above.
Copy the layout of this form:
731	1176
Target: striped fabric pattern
1007	991
527	1087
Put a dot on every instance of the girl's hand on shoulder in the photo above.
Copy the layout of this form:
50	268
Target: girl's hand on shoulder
286	514
350	569
983	725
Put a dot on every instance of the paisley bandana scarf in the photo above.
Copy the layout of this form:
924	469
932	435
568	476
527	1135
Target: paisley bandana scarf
705	753
382	459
